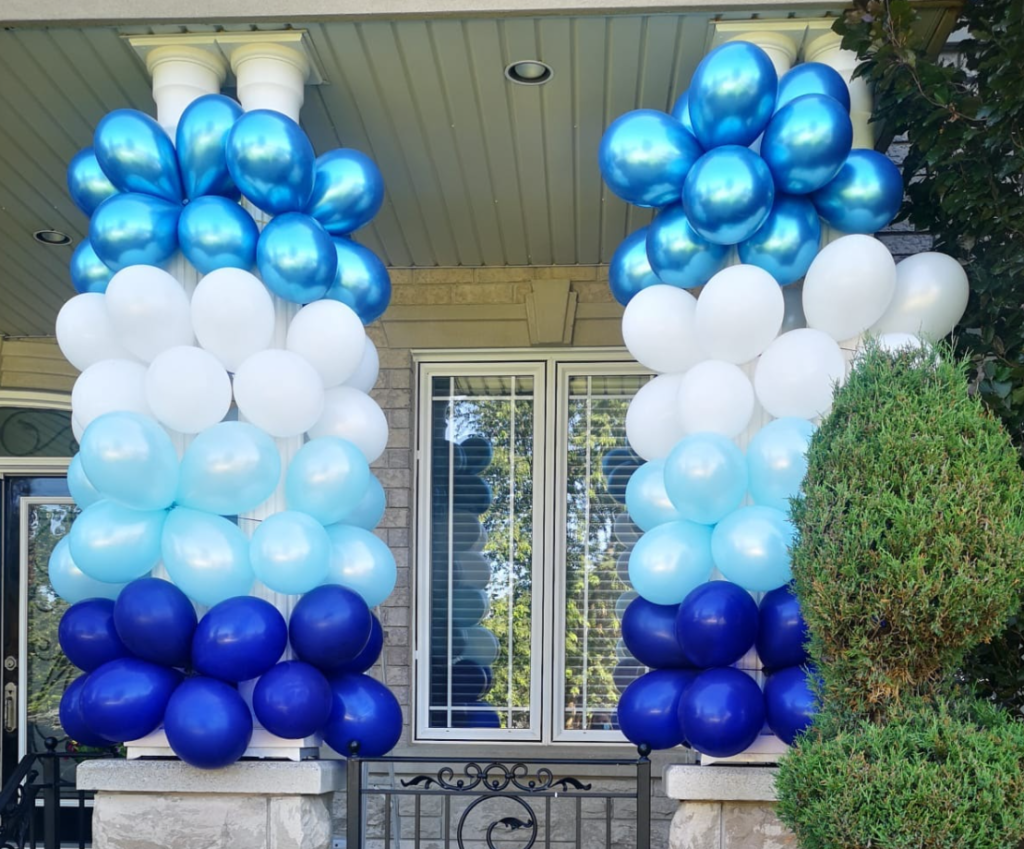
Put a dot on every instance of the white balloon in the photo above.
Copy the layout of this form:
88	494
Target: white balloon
84	332
652	420
187	389
330	335
364	378
279	392
849	286
930	298
233	315
739	313
149	311
355	416
109	386
715	396
658	329
797	374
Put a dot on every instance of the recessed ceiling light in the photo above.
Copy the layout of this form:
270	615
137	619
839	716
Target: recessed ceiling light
529	72
53	238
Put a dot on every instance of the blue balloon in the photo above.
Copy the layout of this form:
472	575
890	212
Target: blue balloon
618	478
732	94
369	512
649	708
472	494
722	712
72	719
201	144
88	271
362	562
781	630
229	468
649	632
87	634
215	232
469	680
137	155
296	258
134	229
79	485
790	703
705	477
645	155
647	499
617	457
238	639
469	607
70	582
678	254
751	548
681	112
807	143
478	644
115	544
206	556
630	269
864	196
208	724
348	191
366	658
362	281
727	195
271	161
716	624
292	700
787	242
478	454
290	552
777	459
476	715
671	560
812	78
326	478
365	716
87	184
156	621
329	627
125	699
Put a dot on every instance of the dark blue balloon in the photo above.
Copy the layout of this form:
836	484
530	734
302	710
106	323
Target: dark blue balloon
630	269
208	724
787	242
727	196
239	638
156	621
88	271
716	624
292	700
329	627
478	453
87	184
732	94
134	229
471	494
626	672
87	634
649	708
470	680
363	661
348	191
649	631
781	630
790	703
271	161
476	715
73	721
864	196
722	712
201	144
812	78
363	712
296	258
215	232
806	143
137	155
362	281
126	698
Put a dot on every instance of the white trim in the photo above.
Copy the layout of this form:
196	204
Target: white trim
35	400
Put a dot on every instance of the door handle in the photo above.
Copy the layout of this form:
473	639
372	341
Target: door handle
10	707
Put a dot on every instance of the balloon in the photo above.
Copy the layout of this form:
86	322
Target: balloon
137	155
201	139
649	632
751	548
781	630
649	708
134	229
812	78
678	254
364	378
290	552
727	195
206	556
625	673
108	386
116	544
623	602
806	143
618	481
652	420
348	190
361	562
187	389
71	583
864	196
296	258
472	494
671	560
787	242
215	232
796	374
732	94
716	624
469	607
471	569
155	620
84	332
469	680
479	644
149	311
208	724
646	498
292	700
87	634
466	717
705	478
239	638
369	512
777	460
125	699
233	315
363	661
270	159
930	297
329	627
362	281
331	337
722	712
73	721
790	703
87	184
327	478
739	313
681	112
717	397
88	271
479	454
658	329
279	392
355	416
630	270
364	715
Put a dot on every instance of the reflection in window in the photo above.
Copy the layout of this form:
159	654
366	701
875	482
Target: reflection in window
30	432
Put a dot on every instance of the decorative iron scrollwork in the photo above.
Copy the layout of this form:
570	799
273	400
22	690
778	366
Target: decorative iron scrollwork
497	777
22	432
509	822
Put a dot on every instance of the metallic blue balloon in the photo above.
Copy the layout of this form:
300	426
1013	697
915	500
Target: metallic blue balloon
239	639
732	94
727	195
630	269
215	232
649	708
364	715
134	229
201	138
645	155
790	703
208	723
681	112
678	254
812	78
716	624
87	184
781	630
722	712
137	155
88	271
348	191
787	242
807	143
292	700
362	281
296	258
864	196
126	698
271	161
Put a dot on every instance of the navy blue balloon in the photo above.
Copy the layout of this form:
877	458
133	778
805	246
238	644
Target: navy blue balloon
88	271
292	700
476	715
716	624
238	639
626	672
727	195
87	184
156	621
678	254
134	229
471	494
296	258
329	627
271	161
478	453
470	680
201	144
732	94
722	712
208	724
215	232
362	281
790	703
649	708
363	712
649	631
864	196
681	112
126	698
812	78
137	155
806	143
363	661
781	630
630	269
348	191
87	634
73	721
787	242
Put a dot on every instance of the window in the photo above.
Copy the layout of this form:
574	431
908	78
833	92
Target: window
522	545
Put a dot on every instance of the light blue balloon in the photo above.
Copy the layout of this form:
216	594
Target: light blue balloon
751	548
732	95
479	645
705	477
130	459
646	498
369	512
134	229
670	561
812	78
787	242
728	194
115	544
88	272
79	485
229	468
296	258
806	143
469	607
630	269
864	196
361	282
71	583
348	191
678	254
215	232
290	552
137	155
271	161
681	112
777	459
362	562
201	141
326	478
206	556
87	184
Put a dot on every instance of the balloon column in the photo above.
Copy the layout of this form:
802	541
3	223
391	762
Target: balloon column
749	175
180	398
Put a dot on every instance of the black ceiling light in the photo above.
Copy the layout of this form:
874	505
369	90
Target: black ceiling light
529	72
52	238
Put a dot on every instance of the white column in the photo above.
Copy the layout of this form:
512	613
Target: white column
781	49
827	49
180	75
